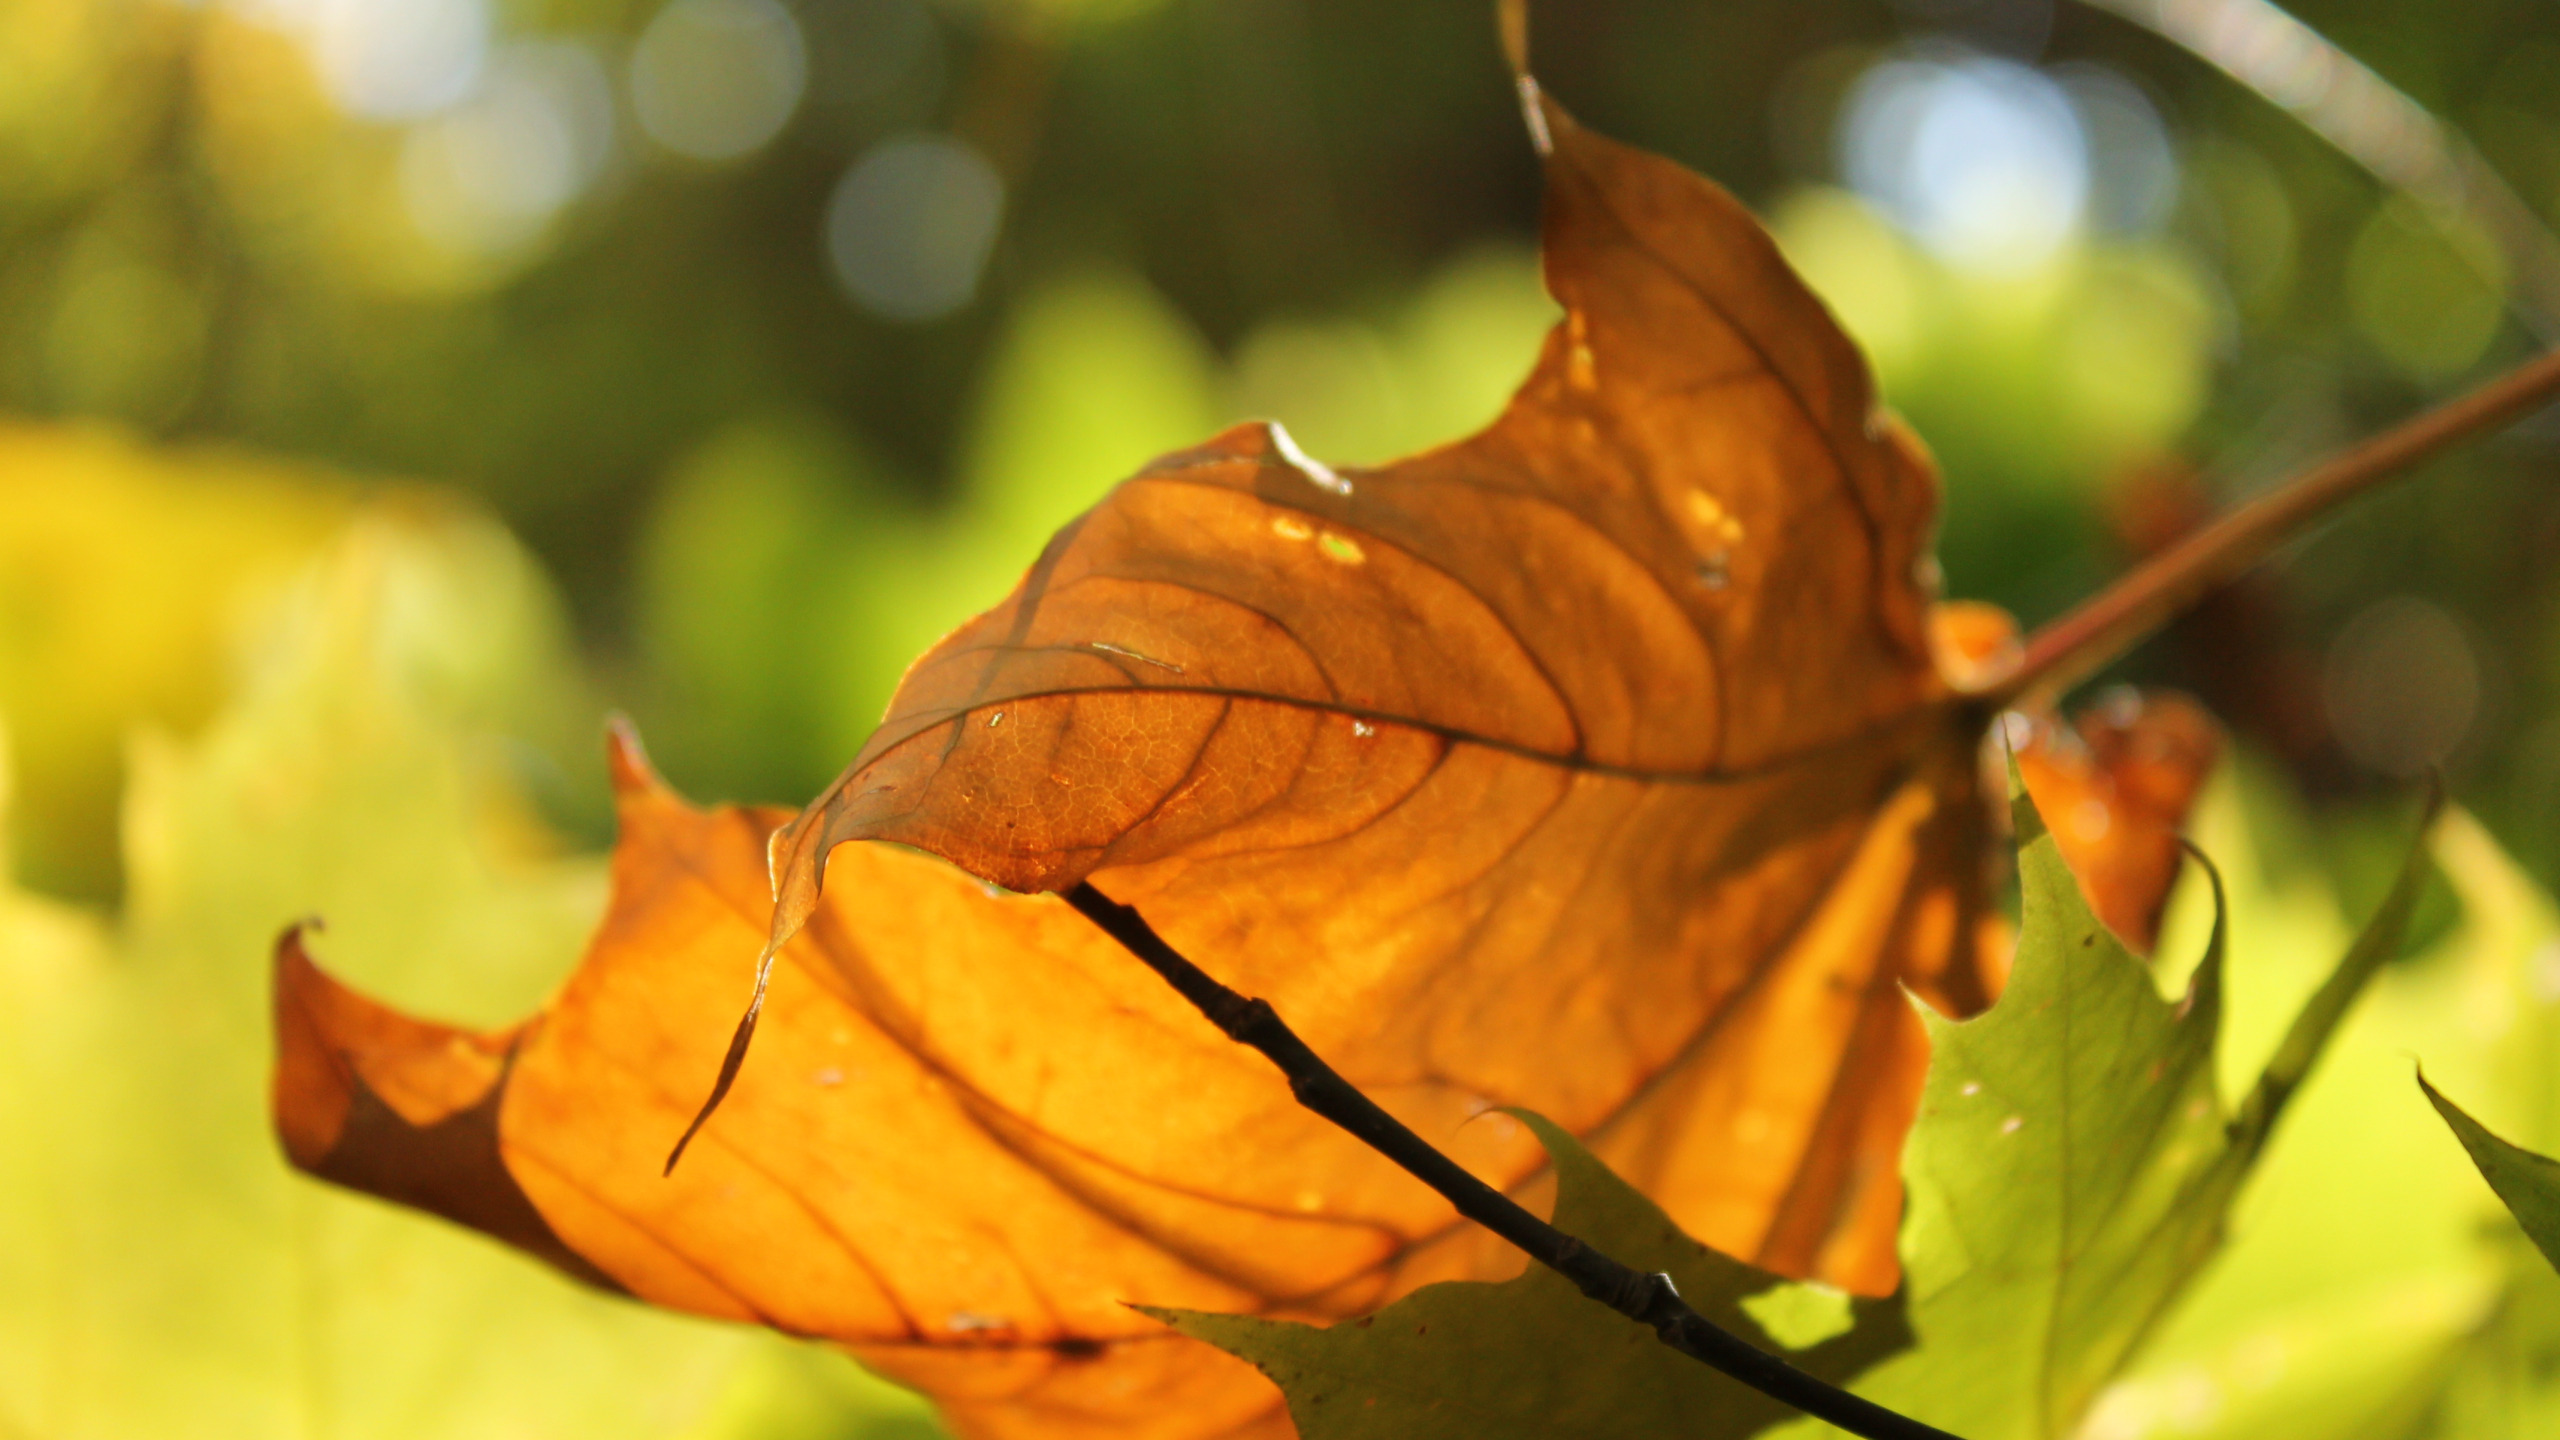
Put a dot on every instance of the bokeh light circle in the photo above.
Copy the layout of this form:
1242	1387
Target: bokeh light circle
2402	686
398	59
2133	167
911	225
2427	289
716	79
1984	161
491	172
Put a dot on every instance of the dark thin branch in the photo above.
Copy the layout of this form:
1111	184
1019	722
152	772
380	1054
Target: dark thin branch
1646	1299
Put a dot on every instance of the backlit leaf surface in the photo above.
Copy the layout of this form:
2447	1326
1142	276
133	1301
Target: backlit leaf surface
1532	1357
2073	1165
1596	764
2330	1321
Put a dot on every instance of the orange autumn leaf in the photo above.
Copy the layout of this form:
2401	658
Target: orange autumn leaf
1597	764
2116	785
932	1208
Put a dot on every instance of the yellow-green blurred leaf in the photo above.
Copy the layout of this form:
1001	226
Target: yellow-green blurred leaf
123	572
2411	1280
165	1274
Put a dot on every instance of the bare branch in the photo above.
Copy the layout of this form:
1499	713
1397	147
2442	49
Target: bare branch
2069	649
1646	1299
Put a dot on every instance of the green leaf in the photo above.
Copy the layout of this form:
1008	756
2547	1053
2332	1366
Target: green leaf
163	1273
757	600
2528	1183
1532	1357
2073	1166
2405	1279
2065	1173
119	565
2506	1378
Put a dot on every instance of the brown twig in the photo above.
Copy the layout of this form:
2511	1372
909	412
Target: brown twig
2069	649
1646	1299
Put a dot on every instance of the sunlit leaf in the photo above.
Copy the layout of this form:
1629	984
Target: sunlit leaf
1600	764
2073	1165
1612	730
2403	1279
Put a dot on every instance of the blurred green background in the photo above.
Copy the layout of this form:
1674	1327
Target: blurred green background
780	333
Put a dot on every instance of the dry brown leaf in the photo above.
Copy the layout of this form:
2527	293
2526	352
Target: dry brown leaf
1596	764
928	1199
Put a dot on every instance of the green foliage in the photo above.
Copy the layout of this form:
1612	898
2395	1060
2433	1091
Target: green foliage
1361	394
2026	380
164	1274
761	555
120	566
786	577
2506	1379
1531	1357
197	242
2365	1290
2528	1183
167	1276
2068	1171
2073	1165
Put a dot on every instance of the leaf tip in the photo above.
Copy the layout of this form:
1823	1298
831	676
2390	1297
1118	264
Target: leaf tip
2453	1115
405	1109
1511	17
313	1086
730	1063
1974	644
1533	109
627	760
